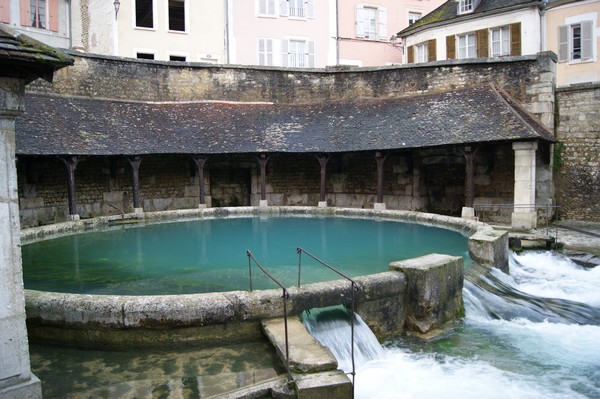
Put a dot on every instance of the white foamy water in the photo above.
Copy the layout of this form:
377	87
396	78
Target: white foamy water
494	358
548	275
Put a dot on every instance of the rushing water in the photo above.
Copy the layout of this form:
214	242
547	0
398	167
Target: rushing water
533	334
209	255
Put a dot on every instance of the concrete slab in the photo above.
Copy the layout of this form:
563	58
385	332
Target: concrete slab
306	354
327	385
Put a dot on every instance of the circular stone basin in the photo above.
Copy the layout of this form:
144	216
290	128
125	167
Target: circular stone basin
210	254
130	282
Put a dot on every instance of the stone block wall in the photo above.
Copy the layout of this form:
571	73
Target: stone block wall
577	154
529	79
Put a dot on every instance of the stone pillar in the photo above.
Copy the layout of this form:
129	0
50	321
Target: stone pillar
135	162
524	215
380	159
323	159
70	163
16	379
262	161
200	161
468	212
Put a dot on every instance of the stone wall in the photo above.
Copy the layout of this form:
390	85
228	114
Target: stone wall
529	79
577	155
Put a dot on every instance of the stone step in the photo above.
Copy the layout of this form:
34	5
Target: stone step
306	354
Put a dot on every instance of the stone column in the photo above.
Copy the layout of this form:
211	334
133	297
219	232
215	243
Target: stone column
70	163
524	215
380	159
16	379
323	159
135	162
200	161
468	212
262	161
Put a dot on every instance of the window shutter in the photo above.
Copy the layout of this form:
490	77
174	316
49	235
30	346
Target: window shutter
410	54
450	47
359	21
310	8
53	15
262	7
311	54
284	8
5	11
284	52
383	24
563	43
515	39
431	50
24	11
261	51
587	30
482	44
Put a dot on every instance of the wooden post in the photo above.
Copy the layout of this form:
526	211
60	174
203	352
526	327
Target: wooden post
200	161
135	162
70	163
323	159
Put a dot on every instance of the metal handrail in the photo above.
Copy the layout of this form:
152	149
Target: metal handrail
354	288
285	296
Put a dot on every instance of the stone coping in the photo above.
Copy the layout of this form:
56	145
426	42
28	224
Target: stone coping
464	226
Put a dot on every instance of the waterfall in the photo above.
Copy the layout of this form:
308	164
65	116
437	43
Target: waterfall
332	328
489	293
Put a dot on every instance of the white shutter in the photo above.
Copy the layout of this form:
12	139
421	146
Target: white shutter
310	8
311	54
269	51
284	52
284	8
383	24
360	18
261	51
563	43
262	7
587	30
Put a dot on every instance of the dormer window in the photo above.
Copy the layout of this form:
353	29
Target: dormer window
467	6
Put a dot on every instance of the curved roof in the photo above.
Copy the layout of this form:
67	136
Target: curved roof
59	125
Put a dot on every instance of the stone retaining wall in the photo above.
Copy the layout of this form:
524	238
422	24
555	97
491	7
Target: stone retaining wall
577	155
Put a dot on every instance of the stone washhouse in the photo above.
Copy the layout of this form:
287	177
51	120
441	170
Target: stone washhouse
115	136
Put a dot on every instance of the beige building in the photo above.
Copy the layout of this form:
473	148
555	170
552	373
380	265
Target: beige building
573	32
164	30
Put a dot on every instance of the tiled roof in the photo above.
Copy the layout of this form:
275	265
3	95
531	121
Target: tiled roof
26	58
55	125
447	13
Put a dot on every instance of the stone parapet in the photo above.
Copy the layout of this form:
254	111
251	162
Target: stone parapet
434	292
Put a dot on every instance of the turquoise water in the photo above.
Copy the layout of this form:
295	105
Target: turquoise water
209	255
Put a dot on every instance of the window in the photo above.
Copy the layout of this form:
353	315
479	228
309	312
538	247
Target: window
5	12
575	41
37	13
144	14
145	56
296	8
177	15
265	51
413	17
422	52
371	22
466	46
175	58
298	53
465	6
500	41
266	7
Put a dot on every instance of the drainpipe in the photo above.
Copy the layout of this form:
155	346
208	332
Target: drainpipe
337	32
543	25
70	22
226	40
